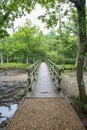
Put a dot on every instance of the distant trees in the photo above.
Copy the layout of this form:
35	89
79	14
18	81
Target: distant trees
55	47
26	45
29	44
9	10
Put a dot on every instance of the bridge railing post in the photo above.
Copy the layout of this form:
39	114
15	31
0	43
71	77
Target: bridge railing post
56	73
32	71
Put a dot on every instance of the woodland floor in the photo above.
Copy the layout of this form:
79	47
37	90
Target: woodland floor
13	81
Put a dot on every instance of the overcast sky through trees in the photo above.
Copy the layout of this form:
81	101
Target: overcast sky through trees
33	18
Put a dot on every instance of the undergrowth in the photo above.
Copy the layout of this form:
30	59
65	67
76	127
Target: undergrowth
80	105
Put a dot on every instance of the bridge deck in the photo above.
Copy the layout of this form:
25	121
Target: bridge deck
44	110
44	86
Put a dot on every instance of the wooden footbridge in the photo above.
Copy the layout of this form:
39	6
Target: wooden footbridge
45	107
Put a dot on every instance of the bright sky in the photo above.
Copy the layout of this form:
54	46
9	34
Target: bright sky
33	18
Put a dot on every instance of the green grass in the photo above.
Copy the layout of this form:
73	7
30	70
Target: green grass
13	65
68	67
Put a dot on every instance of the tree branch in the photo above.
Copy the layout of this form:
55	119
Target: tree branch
6	15
4	18
74	31
73	1
76	2
30	1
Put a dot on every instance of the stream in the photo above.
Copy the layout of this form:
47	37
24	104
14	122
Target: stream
7	112
12	82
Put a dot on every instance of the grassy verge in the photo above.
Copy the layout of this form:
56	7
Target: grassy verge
68	67
13	65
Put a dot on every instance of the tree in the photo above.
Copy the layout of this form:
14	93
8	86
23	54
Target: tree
11	9
25	36
53	20
28	43
80	6
3	33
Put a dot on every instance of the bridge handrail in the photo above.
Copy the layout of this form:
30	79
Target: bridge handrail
56	73
32	72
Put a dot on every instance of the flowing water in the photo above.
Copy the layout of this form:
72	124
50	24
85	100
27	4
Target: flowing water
7	112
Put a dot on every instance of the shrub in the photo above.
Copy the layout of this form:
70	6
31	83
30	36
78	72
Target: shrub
69	61
54	57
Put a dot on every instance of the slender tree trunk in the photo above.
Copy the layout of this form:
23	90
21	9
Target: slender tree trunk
82	45
63	57
27	60
7	59
80	80
85	61
76	60
80	5
1	58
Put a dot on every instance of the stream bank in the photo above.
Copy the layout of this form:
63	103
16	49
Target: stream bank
12	82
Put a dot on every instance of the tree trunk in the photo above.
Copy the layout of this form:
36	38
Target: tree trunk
81	51
85	61
27	60
63	57
1	58
7	59
76	60
80	5
80	80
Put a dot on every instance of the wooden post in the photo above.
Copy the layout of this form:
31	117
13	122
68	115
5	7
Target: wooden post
29	84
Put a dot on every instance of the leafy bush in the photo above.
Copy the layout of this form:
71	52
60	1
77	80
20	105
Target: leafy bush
69	61
85	107
76	100
54	57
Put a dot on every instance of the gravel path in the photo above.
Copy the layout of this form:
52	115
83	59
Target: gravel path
45	114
